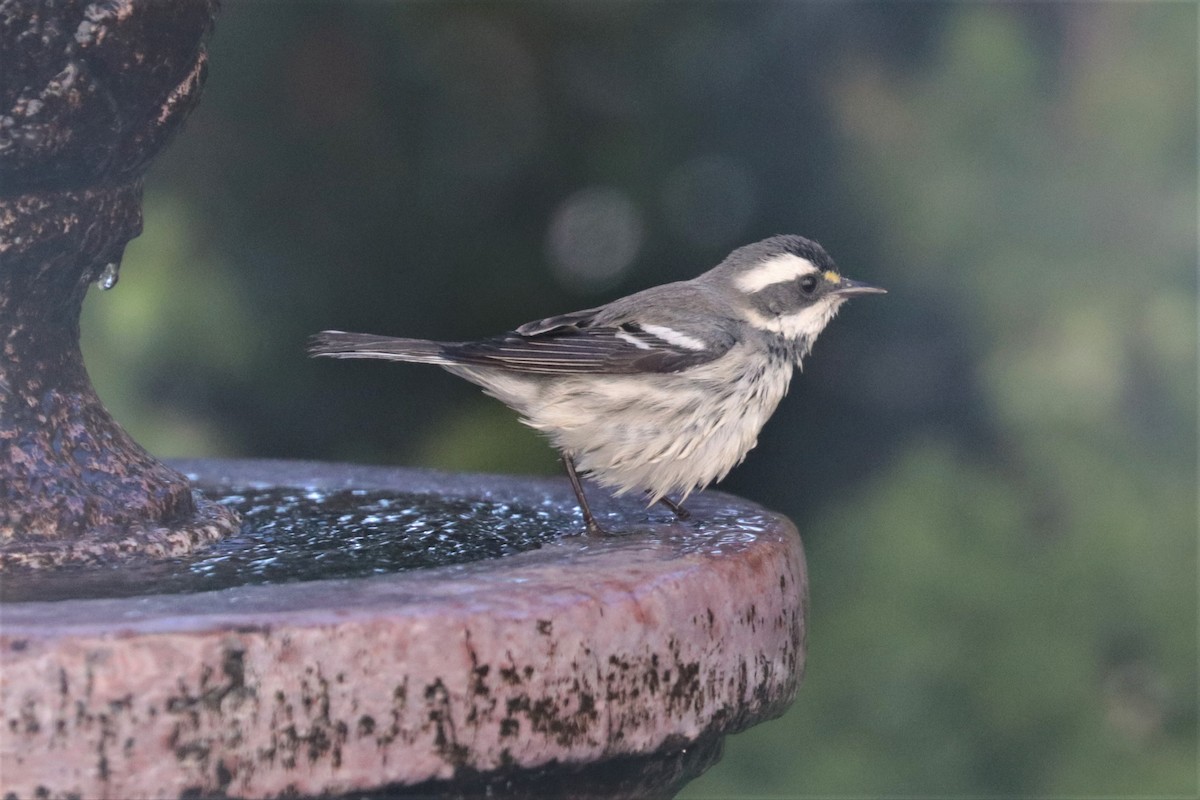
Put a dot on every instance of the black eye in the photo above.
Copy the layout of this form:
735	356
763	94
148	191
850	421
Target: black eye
808	284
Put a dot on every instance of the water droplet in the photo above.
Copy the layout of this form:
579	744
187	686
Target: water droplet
109	277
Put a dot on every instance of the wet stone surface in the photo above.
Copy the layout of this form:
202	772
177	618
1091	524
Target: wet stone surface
296	534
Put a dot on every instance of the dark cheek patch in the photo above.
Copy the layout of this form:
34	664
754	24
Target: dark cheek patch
779	298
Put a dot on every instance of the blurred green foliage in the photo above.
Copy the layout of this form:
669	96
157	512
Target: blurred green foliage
994	467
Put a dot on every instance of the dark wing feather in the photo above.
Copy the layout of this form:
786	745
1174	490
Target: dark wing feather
558	346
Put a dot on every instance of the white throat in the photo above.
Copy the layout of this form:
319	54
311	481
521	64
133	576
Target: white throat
801	327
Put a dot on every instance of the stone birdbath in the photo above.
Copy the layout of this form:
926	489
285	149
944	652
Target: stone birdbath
264	629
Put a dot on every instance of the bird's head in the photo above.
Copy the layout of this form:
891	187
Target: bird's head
786	285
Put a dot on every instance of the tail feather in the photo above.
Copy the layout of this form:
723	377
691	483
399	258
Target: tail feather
339	344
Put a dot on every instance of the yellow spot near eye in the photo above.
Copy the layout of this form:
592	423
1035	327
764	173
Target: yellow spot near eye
833	277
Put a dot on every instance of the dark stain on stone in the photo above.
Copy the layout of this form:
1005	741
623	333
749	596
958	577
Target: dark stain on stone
567	727
516	705
89	676
480	686
197	751
509	727
687	684
366	725
399	702
752	617
545	627
82	717
233	664
211	697
324	737
483	704
479	673
29	720
341	732
17	645
224	776
108	735
440	716
195	708
650	678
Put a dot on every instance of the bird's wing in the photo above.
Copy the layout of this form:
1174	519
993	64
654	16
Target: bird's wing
578	344
572	320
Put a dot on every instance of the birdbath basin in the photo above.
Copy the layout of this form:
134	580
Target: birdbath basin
447	639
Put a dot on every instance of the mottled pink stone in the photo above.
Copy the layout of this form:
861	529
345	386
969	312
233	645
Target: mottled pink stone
580	651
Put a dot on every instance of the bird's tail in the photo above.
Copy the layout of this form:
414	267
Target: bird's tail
338	344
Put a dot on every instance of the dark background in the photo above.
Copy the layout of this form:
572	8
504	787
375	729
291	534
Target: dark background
993	467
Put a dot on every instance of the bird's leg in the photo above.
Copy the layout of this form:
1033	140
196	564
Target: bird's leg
680	512
593	527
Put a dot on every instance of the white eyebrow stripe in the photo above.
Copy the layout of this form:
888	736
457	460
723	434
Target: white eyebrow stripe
672	336
633	340
780	269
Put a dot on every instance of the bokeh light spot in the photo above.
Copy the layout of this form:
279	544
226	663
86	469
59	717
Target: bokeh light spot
594	236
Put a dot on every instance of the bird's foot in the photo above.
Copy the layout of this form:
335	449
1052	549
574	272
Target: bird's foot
681	513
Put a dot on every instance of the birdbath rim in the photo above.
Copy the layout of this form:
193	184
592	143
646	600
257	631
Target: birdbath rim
578	553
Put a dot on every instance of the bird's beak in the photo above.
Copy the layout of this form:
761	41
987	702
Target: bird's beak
848	288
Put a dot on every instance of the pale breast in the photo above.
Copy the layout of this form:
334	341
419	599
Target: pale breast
665	434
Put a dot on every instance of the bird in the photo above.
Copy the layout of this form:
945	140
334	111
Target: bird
663	391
